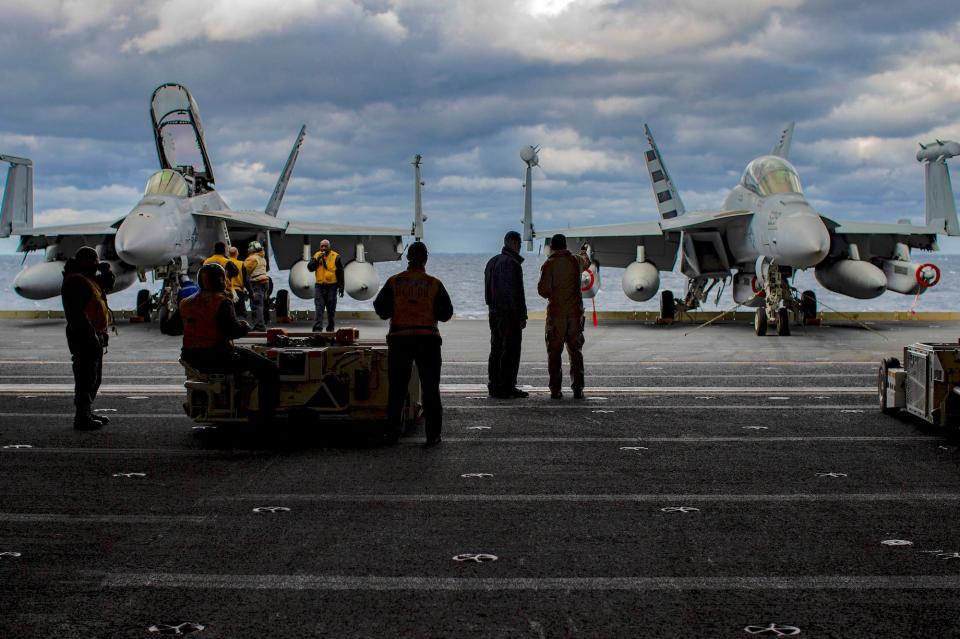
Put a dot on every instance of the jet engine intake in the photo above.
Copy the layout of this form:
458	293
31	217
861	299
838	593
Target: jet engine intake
590	281
360	280
641	280
909	278
302	281
853	278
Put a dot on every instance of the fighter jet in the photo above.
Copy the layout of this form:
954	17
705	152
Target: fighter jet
180	217
765	232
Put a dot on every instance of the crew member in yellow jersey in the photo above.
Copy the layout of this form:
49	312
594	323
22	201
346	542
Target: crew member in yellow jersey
240	283
257	267
414	302
220	257
328	268
86	282
210	325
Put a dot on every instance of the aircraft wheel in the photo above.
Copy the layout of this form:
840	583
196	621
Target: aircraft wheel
808	305
282	304
783	322
668	306
760	321
890	362
143	304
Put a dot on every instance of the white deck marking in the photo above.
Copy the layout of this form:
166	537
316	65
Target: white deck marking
592	498
40	518
493	584
468	389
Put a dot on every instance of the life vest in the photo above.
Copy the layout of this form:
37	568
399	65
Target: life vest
236	282
199	315
414	298
222	260
326	267
96	310
256	265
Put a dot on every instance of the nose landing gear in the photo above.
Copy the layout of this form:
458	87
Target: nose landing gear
782	303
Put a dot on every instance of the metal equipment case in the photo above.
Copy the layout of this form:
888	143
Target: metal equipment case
926	385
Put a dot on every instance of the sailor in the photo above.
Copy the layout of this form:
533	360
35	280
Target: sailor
328	268
239	283
256	264
220	257
560	285
414	302
210	324
503	290
86	281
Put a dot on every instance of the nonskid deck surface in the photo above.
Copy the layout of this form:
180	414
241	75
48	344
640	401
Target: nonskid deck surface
709	483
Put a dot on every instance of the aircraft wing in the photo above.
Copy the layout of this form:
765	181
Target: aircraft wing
380	244
246	220
91	233
704	220
879	238
616	244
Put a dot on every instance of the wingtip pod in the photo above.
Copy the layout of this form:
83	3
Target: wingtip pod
940	149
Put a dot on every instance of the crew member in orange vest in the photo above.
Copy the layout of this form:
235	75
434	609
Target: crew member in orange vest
210	325
328	268
86	282
414	302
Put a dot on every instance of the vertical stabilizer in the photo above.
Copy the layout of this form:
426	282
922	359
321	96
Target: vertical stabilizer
273	206
16	213
418	217
782	147
940	208
669	204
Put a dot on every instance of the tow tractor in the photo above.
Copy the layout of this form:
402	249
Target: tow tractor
925	385
323	377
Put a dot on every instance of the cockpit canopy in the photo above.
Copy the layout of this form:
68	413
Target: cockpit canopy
179	134
771	174
167	182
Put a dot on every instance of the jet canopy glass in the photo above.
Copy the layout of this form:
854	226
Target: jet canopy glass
167	182
179	134
771	174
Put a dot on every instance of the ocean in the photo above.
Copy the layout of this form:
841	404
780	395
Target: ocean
462	274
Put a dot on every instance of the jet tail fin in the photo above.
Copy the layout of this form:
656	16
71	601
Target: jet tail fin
273	206
782	147
669	204
16	213
940	208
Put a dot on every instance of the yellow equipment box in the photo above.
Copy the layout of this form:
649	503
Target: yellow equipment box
330	376
926	385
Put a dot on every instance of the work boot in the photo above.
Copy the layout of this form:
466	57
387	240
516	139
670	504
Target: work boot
432	440
84	421
556	395
101	419
516	393
578	393
330	328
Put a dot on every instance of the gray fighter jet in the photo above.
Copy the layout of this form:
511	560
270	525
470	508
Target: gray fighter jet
180	217
763	234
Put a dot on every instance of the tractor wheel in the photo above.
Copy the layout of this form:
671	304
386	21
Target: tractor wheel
890	362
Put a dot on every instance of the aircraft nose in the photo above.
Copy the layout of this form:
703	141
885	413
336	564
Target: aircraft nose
141	241
802	240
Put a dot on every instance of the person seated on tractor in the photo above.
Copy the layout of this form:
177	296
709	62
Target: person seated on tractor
210	325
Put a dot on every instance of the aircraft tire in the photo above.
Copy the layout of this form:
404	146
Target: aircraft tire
143	304
282	303
668	306
760	322
783	322
808	305
888	363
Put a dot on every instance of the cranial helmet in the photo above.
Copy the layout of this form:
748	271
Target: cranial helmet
212	277
254	246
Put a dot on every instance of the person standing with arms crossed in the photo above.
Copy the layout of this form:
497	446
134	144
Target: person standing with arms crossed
560	285
414	302
328	268
256	264
507	304
86	282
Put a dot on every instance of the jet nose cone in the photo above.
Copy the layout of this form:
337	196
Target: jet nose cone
141	242
803	241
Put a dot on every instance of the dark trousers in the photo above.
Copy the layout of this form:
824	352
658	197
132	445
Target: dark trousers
258	305
565	331
87	356
506	337
240	306
324	296
231	359
404	352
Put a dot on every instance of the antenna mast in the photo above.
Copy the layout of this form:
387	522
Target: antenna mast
418	218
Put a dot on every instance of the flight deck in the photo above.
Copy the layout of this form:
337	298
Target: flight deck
711	484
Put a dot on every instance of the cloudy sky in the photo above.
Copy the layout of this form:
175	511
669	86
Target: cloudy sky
467	84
